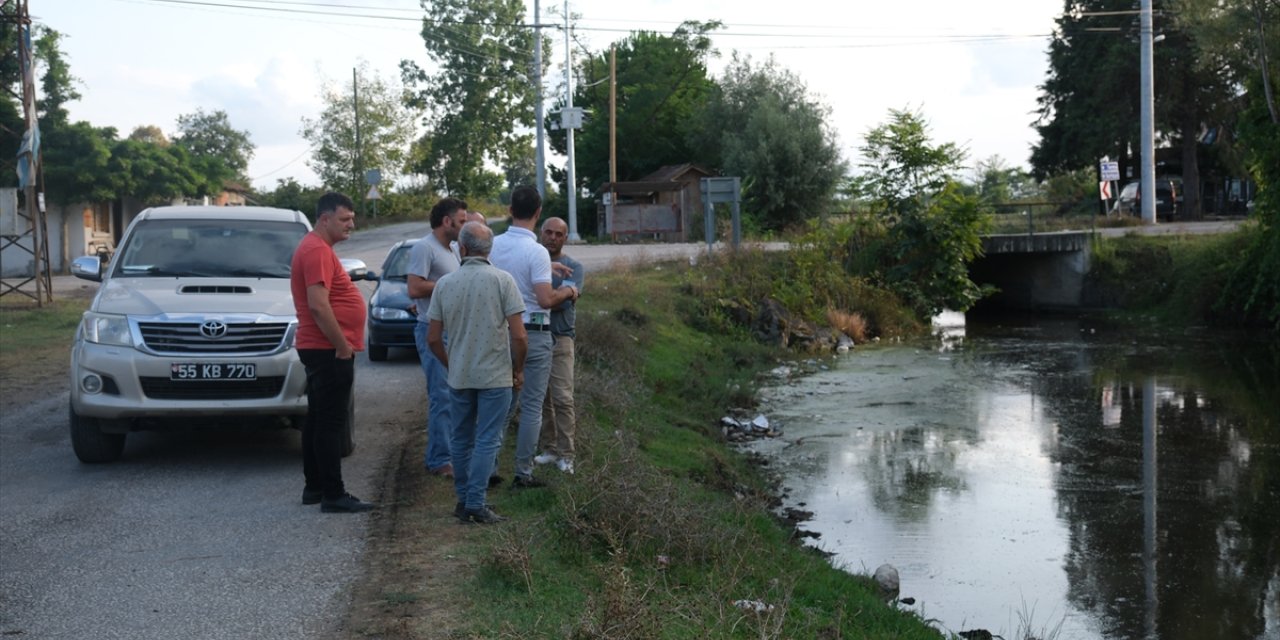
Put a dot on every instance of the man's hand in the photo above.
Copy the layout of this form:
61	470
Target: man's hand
517	380
561	269
345	352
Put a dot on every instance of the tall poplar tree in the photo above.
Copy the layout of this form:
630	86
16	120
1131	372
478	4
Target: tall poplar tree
481	96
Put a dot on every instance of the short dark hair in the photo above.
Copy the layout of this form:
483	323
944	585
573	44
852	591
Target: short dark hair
332	201
445	208
525	202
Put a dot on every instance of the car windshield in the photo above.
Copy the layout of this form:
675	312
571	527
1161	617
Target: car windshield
210	248
397	263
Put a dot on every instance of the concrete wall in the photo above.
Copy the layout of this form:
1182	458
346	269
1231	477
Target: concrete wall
1044	271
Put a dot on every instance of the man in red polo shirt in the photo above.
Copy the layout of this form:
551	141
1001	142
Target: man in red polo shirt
330	330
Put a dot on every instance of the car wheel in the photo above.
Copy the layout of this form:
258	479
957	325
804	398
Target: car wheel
377	352
91	445
349	429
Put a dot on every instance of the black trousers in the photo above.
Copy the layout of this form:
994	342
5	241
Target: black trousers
329	382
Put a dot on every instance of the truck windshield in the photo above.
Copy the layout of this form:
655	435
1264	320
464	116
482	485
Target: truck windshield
210	248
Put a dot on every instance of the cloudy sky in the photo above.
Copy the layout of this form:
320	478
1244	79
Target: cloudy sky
971	68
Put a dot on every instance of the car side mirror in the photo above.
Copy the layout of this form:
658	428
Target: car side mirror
355	268
372	276
87	268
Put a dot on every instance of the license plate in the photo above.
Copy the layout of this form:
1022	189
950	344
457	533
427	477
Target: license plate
213	371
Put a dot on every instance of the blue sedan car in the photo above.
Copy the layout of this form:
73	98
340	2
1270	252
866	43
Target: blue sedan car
392	314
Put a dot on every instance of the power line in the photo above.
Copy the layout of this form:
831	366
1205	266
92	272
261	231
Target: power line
878	35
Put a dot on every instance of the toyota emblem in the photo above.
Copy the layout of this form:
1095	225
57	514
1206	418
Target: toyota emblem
213	329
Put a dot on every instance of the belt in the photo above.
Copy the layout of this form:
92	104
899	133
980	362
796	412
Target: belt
537	327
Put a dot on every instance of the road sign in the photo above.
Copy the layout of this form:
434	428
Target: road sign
1104	189
1110	170
373	194
372	177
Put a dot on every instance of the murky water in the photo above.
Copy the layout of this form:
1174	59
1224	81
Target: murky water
1050	476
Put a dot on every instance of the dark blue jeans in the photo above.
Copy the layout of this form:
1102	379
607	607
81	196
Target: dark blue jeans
329	383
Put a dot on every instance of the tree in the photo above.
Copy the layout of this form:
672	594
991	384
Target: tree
662	89
931	227
996	183
386	132
766	128
149	133
290	194
1089	103
77	159
903	170
481	94
225	150
57	85
157	174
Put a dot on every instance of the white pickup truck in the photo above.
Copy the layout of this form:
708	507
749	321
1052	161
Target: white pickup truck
193	326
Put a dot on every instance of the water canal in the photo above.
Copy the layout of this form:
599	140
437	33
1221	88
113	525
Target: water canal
1064	478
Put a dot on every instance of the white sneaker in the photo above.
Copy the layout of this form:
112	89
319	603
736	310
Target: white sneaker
545	458
565	465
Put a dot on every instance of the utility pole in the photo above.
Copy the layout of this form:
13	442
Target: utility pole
541	160
613	133
355	110
30	174
572	186
1147	124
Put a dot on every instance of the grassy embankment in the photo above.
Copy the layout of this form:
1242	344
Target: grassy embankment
664	527
34	340
1179	280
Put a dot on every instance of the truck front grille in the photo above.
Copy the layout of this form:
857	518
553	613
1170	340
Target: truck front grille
239	337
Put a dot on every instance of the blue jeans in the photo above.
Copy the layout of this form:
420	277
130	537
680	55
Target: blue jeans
438	423
537	373
480	417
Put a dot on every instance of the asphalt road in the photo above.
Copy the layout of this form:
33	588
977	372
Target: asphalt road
195	535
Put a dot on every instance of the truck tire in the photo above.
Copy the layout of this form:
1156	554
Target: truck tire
91	445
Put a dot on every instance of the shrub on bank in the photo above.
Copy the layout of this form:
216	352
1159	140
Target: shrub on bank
1182	279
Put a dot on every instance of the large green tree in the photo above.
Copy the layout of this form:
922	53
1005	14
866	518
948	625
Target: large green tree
926	228
1089	101
479	99
219	148
662	89
764	126
386	132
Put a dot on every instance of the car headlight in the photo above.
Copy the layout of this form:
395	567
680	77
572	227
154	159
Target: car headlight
103	328
390	313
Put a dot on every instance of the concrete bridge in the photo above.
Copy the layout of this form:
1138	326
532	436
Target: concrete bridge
1047	270
1034	271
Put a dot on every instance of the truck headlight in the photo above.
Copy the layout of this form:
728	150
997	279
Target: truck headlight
104	328
389	313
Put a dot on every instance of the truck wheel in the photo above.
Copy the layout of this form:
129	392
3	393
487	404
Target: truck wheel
377	352
349	429
91	445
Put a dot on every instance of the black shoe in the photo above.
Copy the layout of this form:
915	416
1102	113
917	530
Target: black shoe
483	515
312	496
527	482
495	480
346	504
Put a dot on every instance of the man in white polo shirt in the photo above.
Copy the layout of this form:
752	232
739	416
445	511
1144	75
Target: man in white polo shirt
518	252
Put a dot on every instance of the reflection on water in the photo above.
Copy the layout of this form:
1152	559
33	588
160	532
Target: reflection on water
1061	472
